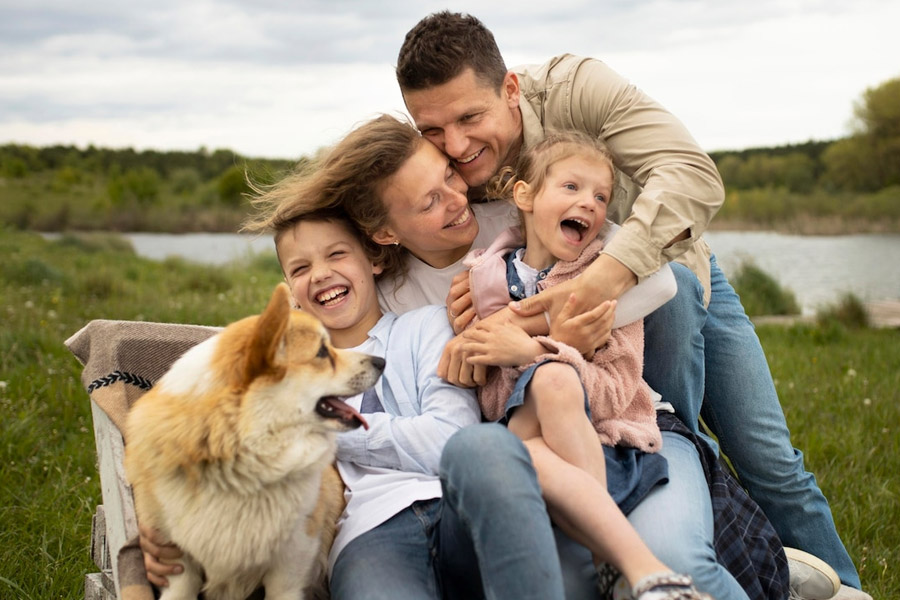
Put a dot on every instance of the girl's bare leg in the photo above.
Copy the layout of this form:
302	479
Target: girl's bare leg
554	411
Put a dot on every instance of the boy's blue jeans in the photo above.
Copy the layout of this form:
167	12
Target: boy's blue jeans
709	362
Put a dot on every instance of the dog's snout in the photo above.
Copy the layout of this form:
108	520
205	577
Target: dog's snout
377	362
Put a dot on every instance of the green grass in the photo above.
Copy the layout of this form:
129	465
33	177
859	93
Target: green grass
838	386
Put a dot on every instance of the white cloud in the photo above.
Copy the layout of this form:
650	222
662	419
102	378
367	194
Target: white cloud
269	79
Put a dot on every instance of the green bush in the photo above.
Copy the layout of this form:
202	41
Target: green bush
761	294
849	311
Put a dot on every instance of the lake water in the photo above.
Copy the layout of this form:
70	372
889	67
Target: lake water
818	269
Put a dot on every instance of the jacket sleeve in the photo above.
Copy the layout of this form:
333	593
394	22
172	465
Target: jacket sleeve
681	187
413	442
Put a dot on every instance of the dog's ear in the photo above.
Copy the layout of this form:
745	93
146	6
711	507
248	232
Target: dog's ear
268	335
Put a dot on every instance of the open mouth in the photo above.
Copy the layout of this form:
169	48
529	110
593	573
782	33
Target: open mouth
468	159
459	220
332	296
332	407
574	229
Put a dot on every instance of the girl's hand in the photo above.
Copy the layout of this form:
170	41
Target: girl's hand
460	309
500	343
159	556
586	331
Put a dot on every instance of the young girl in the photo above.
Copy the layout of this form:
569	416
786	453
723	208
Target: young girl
590	425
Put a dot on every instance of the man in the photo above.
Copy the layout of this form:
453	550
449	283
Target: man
462	98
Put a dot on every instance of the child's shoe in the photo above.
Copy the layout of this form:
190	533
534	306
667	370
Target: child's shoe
667	586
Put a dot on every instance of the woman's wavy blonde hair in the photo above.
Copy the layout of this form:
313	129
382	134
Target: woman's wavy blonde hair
348	181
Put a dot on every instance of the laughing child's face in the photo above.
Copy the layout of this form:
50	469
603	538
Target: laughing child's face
332	278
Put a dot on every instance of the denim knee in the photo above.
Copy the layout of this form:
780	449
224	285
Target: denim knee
486	457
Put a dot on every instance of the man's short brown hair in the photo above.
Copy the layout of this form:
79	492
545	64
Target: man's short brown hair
443	45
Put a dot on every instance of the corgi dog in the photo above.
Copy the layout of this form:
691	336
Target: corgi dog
230	455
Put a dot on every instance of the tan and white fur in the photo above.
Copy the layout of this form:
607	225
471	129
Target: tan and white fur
226	454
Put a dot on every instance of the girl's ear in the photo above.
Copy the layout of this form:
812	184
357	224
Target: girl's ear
522	196
377	268
385	237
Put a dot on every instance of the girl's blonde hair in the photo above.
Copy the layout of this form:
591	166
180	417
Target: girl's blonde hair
535	162
349	181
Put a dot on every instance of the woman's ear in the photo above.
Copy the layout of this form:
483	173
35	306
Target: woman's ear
522	196
385	237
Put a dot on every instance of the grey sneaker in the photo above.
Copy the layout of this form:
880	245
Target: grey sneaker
811	578
849	593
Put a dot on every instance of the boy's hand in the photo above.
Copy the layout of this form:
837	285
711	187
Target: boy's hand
455	369
501	344
460	309
159	556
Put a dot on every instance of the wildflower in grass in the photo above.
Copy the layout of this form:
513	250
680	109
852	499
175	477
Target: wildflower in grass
3	385
851	373
867	402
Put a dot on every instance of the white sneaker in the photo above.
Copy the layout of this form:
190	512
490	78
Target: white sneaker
811	578
849	593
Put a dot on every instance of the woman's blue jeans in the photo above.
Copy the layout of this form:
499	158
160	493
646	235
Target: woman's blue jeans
708	361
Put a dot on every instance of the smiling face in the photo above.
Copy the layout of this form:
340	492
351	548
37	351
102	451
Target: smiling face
566	214
331	278
428	212
469	121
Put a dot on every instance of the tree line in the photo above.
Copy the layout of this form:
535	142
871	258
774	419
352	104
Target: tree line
64	186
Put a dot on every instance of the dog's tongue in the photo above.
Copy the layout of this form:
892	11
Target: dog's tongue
339	409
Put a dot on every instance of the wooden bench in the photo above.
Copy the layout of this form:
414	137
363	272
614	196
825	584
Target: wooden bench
122	359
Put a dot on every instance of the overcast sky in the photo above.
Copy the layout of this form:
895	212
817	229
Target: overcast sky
270	78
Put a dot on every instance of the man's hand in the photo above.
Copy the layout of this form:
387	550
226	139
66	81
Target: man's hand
460	309
586	331
159	556
604	279
501	344
456	369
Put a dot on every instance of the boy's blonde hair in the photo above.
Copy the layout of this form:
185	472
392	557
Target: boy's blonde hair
347	183
535	162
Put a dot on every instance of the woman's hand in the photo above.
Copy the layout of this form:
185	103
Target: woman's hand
460	309
159	556
501	344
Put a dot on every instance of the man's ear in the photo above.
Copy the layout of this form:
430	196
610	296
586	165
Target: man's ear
385	237
522	196
511	89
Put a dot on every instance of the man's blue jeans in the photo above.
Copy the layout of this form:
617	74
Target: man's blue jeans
709	362
675	520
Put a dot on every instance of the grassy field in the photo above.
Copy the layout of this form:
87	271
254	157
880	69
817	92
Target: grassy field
839	388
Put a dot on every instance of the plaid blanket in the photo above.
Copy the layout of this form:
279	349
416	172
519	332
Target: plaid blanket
746	543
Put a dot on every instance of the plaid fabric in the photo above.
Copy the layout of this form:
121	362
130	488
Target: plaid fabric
745	541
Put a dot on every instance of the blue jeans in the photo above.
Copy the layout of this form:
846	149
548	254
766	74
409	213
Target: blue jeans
493	522
709	362
675	520
488	537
